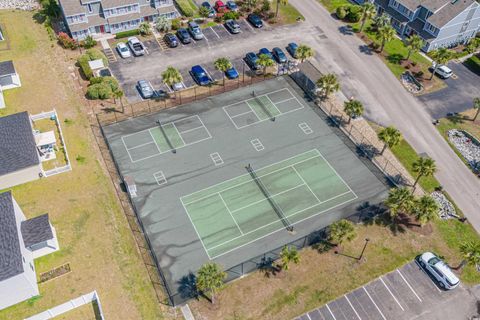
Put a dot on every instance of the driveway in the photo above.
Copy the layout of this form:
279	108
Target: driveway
457	97
404	294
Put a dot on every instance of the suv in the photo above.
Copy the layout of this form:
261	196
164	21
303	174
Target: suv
443	71
184	36
171	40
195	30
136	46
232	26
279	55
251	59
439	270
211	11
255	20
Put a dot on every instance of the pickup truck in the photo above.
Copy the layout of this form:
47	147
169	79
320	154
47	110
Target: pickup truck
136	46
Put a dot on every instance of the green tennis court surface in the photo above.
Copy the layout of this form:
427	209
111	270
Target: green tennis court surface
235	212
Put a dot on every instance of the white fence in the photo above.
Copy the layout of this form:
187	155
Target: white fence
91	297
49	114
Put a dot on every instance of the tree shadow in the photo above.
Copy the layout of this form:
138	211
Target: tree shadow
366	150
39	17
385	220
346	30
365	49
268	267
395	58
456	118
188	287
334	121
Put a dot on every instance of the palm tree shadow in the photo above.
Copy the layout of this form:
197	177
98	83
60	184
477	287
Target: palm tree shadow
395	58
268	268
385	220
188	287
366	49
456	118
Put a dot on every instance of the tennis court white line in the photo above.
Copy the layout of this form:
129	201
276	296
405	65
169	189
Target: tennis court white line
256	115
368	294
328	308
231	215
158	148
298	174
194	116
279	112
195	228
328	163
206	129
275	91
282	101
243	113
140	145
351	305
189	130
408	284
391	293
176	129
128	152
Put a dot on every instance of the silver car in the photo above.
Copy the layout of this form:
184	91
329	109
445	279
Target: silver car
439	270
145	89
123	50
195	30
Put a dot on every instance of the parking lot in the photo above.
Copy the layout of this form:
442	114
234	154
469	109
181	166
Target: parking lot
406	293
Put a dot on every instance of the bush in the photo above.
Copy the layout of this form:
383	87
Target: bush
204	11
89	42
90	54
145	28
265	6
125	34
163	24
231	15
185	7
94	54
354	13
99	91
341	12
67	42
176	24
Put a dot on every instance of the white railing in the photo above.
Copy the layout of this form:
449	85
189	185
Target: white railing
91	297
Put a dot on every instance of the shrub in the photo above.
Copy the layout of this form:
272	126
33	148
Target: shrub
129	33
94	54
354	13
89	42
83	64
341	12
163	24
231	15
204	11
176	24
67	42
145	28
99	91
265	6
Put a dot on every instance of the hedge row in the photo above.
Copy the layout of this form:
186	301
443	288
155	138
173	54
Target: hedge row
90	55
129	33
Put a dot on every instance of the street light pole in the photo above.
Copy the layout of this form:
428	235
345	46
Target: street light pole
363	250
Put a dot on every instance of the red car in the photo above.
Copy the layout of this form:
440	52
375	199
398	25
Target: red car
220	7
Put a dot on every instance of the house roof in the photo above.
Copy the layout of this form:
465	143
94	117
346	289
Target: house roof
417	25
124	18
36	230
10	254
71	7
7	68
106	4
392	12
17	144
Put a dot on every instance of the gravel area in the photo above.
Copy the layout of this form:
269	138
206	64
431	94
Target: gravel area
409	84
447	210
19	4
469	148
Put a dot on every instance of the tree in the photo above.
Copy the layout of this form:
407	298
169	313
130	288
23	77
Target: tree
368	12
289	254
328	84
390	136
163	24
385	34
440	56
399	200
472	45
425	209
340	231
250	4
117	94
423	167
280	2
304	52
171	76
145	28
414	44
471	253
476	106
89	42
204	11
381	20
210	279
223	64
353	108
265	61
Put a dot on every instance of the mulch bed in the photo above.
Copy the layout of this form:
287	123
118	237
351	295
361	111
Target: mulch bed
55	273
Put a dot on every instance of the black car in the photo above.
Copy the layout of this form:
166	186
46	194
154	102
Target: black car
255	20
184	36
279	55
171	40
232	26
251	59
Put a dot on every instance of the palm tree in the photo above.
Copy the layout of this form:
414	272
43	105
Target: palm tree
390	136
385	34
441	56
304	52
145	28
328	84
353	108
280	2
265	61
425	209
381	20
423	167
223	64
368	12
399	200
471	253
476	106
287	255
117	94
340	231
414	44
171	76
210	279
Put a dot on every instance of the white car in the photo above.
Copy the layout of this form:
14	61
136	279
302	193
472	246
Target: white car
443	71
439	270
136	46
123	50
177	86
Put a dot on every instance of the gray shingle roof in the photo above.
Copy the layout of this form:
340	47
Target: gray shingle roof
10	254
17	144
6	68
36	230
72	7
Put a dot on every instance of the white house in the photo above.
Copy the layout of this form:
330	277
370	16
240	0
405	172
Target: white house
21	241
9	79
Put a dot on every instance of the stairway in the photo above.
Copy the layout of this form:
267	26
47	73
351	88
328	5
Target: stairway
108	51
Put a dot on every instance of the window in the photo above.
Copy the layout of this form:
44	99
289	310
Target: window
31	267
431	28
395	4
90	8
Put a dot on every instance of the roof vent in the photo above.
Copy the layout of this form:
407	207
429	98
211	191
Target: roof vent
454	1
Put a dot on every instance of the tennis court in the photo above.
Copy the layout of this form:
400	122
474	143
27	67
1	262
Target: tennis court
236	212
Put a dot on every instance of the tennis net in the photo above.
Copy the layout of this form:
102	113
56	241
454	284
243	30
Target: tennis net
264	108
274	205
170	145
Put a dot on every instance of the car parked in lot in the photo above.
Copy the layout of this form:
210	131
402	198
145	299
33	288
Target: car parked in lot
211	11
136	46
279	55
255	20
145	89
177	86
220	7
232	6
292	49
251	59
171	40
232	26
266	52
232	73
123	50
184	36
195	30
439	270
200	75
443	71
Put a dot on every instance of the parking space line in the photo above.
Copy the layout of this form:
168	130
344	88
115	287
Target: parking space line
251	28
329	310
408	284
309	317
391	293
368	294
215	33
351	305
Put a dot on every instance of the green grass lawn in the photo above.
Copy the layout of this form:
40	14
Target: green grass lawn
288	14
332	5
473	63
187	7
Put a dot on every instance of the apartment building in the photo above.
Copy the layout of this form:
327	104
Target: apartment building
97	17
441	23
